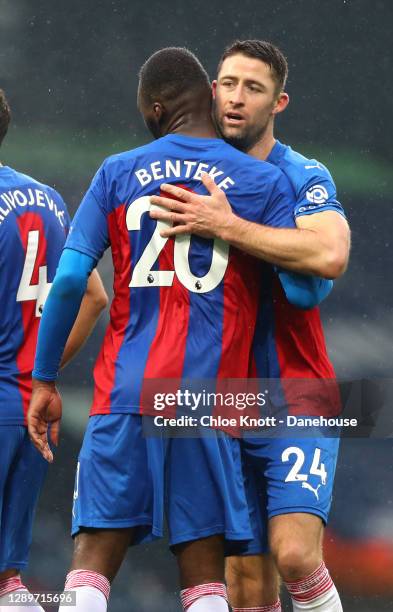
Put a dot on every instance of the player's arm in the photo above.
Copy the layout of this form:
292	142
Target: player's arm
93	303
86	243
211	216
60	312
333	236
310	249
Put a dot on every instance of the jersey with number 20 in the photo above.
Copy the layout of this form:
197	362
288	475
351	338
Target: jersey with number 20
33	226
183	307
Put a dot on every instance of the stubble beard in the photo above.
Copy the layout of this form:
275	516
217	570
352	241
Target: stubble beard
244	140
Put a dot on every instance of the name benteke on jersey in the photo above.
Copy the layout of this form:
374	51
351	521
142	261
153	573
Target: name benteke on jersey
182	169
33	197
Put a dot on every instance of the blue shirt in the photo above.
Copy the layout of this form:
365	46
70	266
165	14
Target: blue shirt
184	307
312	182
33	225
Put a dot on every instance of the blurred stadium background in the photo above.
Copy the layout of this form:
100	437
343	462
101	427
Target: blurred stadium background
70	72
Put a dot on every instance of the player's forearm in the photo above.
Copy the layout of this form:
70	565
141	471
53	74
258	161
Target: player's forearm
60	312
301	250
93	303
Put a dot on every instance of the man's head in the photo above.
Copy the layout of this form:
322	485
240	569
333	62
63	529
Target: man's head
249	91
5	116
172	82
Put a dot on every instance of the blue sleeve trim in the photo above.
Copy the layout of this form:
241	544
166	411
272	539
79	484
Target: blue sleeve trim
312	210
60	311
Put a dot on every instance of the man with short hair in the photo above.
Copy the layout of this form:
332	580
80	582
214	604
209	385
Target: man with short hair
34	223
289	344
176	314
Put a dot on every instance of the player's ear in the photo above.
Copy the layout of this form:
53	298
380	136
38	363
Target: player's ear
214	89
153	117
158	111
281	103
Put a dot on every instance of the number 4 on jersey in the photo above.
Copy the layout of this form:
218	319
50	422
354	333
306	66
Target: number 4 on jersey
27	291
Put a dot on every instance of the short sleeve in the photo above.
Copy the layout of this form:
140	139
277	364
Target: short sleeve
317	192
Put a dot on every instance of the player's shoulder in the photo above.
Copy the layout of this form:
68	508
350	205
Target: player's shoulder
125	158
257	168
115	167
300	169
11	179
310	179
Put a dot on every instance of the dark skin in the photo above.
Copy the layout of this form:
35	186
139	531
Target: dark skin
103	550
201	561
189	115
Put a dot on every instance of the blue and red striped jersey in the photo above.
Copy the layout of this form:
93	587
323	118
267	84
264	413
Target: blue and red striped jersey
184	307
33	226
289	342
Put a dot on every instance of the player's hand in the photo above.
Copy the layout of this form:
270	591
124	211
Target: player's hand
208	216
44	410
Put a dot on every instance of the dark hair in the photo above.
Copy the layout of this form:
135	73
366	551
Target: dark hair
5	116
265	52
169	72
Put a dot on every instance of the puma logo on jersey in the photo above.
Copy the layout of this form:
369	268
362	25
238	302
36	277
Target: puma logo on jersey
306	485
315	166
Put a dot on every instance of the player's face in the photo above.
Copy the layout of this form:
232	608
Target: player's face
245	100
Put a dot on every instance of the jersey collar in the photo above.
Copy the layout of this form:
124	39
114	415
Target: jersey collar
276	153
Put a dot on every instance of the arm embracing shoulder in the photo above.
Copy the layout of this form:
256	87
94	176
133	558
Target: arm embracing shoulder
334	239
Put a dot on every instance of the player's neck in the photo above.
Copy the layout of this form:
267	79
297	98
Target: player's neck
261	150
198	125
